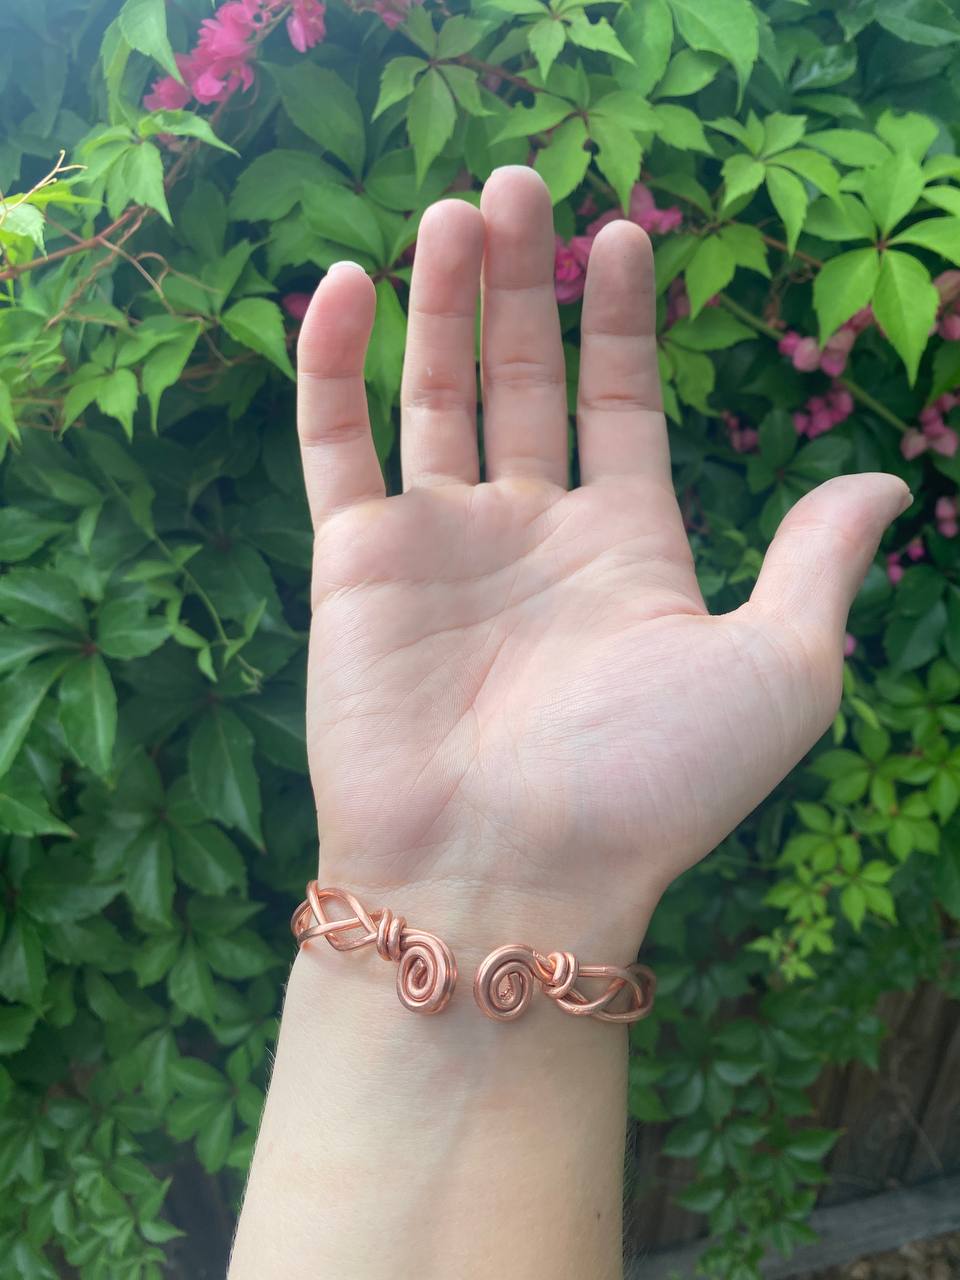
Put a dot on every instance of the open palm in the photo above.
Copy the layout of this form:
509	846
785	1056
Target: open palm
515	686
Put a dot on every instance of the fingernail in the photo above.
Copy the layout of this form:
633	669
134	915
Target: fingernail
907	502
345	262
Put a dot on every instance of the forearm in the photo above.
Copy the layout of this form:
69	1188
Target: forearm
449	1145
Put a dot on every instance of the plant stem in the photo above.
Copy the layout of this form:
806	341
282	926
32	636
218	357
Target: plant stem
858	393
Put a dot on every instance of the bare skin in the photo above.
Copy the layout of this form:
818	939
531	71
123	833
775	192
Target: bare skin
523	724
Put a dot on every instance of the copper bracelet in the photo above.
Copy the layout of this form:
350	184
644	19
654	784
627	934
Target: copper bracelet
427	973
503	986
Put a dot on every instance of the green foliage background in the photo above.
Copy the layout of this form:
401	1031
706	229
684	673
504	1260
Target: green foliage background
156	819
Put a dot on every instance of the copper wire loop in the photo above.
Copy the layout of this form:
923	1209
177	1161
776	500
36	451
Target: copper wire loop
503	985
427	970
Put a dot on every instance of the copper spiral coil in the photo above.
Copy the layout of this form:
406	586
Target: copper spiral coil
427	970
503	985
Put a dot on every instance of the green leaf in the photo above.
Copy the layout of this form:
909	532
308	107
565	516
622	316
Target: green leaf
24	811
746	244
42	599
546	112
464	84
149	875
939	235
679	127
710	270
546	39
343	217
618	157
910	132
905	305
923	22
597	35
688	72
215	1137
811	1144
726	27
853	147
624	108
910	641
384	359
257	323
646	32
397	81
138	179
778	439
845	218
813	167
117	397
789	197
890	190
182	124
843	285
274	183
23	974
124	630
143	24
207	859
190	983
15	1027
163	367
458	35
222	772
741	176
781	131
713	330
321	105
88	712
431	116
563	162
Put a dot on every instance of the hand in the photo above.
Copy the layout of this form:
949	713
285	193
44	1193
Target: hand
517	699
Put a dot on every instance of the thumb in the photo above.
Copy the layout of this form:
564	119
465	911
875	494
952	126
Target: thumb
824	546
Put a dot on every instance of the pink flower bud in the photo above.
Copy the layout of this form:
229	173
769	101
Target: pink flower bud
894	568
945	508
841	402
295	304
789	343
947	284
949	327
915	548
802	422
945	443
913	443
806	355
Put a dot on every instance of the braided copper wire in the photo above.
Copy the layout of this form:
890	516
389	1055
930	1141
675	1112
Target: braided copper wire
503	985
427	970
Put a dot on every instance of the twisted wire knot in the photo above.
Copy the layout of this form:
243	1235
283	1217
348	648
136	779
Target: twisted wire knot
427	970
503	985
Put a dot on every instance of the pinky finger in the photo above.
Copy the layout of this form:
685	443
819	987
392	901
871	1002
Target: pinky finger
340	465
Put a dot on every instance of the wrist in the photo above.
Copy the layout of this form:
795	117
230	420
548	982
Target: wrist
474	915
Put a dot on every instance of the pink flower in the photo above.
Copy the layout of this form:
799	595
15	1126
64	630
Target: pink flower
168	94
949	327
806	355
849	645
945	513
295	304
587	206
894	568
678	302
643	211
915	548
861	319
789	343
947	284
913	443
943	440
742	439
394	12
841	403
802	423
306	25
833	360
570	264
